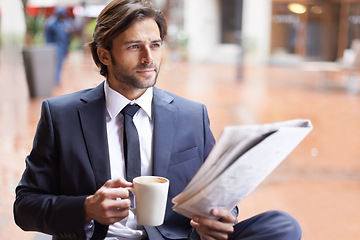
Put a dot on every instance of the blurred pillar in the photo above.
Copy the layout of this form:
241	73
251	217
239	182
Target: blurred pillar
256	31
12	35
12	38
12	30
240	58
12	22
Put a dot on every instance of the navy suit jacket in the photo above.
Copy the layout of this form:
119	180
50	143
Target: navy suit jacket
70	161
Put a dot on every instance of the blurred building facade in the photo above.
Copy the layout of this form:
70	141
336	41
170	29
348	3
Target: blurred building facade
269	31
314	29
229	31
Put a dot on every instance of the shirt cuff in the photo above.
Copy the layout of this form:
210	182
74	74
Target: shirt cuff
89	229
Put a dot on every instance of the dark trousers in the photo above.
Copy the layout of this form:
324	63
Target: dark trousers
272	225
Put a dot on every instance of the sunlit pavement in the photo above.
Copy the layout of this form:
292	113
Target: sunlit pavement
318	183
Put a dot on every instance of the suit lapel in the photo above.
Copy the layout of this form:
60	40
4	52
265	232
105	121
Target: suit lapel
92	117
164	131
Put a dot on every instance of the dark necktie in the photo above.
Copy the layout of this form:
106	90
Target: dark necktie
131	143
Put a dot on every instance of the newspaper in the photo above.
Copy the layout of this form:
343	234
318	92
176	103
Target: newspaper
241	159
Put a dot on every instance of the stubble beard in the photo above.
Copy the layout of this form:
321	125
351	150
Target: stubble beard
131	80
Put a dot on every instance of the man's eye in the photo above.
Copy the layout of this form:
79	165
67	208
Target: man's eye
156	45
134	47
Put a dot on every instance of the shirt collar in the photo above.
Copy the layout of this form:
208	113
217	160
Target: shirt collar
115	102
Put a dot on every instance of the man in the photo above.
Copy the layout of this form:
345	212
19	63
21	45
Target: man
58	31
74	184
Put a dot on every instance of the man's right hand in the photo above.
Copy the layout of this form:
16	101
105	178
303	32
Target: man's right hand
110	203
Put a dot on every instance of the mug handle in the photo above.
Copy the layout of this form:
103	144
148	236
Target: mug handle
133	209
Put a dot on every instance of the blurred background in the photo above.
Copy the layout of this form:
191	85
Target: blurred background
250	62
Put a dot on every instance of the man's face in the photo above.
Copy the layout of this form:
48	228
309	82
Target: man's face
135	58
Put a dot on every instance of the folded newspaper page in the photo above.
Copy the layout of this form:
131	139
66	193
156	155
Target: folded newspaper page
241	159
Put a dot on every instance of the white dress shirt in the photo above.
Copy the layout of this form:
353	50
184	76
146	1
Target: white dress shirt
115	102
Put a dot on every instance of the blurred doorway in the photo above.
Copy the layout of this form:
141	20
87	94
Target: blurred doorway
308	28
314	29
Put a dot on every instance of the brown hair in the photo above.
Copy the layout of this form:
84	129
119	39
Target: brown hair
116	18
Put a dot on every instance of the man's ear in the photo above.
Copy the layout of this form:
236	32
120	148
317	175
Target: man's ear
104	56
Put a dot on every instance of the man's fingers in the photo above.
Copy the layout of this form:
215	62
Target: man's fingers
224	215
113	216
218	228
117	183
110	203
121	204
207	225
117	210
115	204
114	193
106	195
209	233
107	211
115	189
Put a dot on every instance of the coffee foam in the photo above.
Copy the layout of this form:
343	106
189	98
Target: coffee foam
151	180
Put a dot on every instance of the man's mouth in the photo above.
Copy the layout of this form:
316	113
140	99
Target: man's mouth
146	71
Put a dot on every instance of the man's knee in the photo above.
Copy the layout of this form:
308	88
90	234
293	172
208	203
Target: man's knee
271	225
285	224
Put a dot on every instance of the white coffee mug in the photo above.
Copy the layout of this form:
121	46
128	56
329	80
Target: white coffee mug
150	199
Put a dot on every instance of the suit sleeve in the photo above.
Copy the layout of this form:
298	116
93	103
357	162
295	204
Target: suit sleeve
209	138
38	205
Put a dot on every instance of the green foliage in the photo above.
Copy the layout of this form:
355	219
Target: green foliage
35	29
89	29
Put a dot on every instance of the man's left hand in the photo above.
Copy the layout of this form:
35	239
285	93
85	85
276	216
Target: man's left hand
214	229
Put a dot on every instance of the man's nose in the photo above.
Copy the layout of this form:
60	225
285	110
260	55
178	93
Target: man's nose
147	58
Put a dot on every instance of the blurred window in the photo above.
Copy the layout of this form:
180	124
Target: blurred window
309	29
354	22
284	24
231	14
